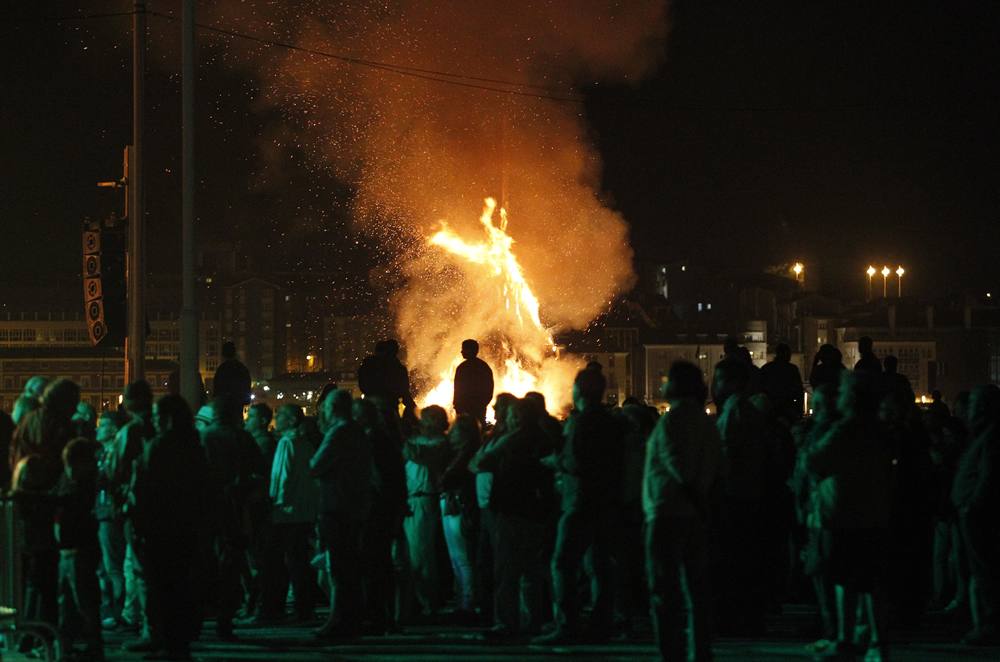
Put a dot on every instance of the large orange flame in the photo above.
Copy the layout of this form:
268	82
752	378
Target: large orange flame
529	362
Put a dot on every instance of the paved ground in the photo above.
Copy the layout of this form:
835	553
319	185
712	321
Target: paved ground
434	643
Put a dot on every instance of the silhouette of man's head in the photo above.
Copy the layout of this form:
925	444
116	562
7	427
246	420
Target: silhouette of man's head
500	405
61	398
138	397
684	381
984	407
521	414
328	388
337	405
865	344
588	388
470	349
890	364
387	348
782	353
228	350
595	366
172	414
731	377
537	400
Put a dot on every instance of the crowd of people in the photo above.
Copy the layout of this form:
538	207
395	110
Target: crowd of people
602	523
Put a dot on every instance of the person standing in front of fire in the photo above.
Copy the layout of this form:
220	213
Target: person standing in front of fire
473	383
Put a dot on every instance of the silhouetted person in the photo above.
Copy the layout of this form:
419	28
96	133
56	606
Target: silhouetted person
550	425
45	431
804	485
896	383
30	398
854	499
827	365
294	505
742	429
426	457
522	499
382	375
938	406
232	379
868	361
458	500
343	465
486	544
473	383
912	509
236	479
683	467
781	381
590	464
171	491
130	443
385	523
976	495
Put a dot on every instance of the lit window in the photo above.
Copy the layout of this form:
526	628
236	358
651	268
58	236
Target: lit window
700	307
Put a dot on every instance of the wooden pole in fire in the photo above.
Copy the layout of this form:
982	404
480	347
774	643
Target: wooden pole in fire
189	382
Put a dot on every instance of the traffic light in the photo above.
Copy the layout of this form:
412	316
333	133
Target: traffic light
104	284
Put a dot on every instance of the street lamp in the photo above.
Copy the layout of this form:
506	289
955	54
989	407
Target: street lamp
870	272
899	272
885	282
797	269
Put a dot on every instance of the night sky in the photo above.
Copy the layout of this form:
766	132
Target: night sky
838	133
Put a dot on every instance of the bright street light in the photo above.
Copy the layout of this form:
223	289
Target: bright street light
797	269
899	272
870	272
885	281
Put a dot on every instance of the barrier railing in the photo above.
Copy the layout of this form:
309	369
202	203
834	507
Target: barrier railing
12	626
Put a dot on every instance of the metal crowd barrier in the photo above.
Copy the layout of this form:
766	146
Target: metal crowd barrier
12	589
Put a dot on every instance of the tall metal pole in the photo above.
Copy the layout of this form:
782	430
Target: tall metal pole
135	347
190	385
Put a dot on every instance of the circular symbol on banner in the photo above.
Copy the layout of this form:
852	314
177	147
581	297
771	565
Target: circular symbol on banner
94	310
91	265
92	288
91	242
98	331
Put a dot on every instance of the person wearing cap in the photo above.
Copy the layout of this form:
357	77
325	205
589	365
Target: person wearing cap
204	419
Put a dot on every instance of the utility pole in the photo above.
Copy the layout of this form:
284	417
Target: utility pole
190	384
135	343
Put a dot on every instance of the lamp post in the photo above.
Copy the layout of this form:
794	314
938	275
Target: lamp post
885	281
899	273
871	273
797	269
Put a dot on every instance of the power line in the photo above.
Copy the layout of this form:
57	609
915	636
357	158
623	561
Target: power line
444	77
60	19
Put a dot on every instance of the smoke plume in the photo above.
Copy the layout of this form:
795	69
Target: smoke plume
419	151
